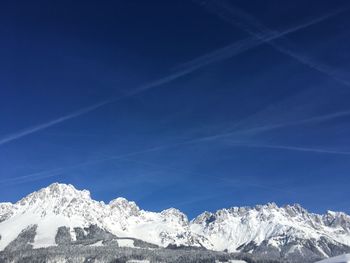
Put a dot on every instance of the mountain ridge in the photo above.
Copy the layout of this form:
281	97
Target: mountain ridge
289	231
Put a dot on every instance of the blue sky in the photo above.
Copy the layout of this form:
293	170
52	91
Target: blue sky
197	105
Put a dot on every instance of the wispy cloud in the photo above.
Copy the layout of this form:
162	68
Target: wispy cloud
246	22
185	69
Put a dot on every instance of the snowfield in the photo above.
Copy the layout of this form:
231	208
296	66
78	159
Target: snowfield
338	259
126	242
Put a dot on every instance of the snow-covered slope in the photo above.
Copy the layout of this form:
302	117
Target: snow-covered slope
338	259
62	205
60	212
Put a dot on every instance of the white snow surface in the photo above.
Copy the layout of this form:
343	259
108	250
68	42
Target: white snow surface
62	205
97	244
126	242
339	259
231	261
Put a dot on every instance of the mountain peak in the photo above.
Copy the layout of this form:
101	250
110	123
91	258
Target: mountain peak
56	194
58	185
61	189
124	206
175	214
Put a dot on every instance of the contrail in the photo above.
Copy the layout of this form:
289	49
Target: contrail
252	26
321	118
48	173
20	134
104	158
271	127
247	44
58	171
258	129
187	68
291	148
236	183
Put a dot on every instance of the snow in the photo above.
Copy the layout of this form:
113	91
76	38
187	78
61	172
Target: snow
125	243
11	228
236	226
63	205
339	259
97	244
138	261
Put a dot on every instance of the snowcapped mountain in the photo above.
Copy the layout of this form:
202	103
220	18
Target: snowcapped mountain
61	214
61	205
287	232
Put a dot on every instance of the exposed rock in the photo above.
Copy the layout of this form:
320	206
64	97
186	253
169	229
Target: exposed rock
24	239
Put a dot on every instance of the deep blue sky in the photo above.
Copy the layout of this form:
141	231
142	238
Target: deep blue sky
58	57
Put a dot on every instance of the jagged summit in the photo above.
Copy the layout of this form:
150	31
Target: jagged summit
287	231
62	186
55	191
56	198
62	189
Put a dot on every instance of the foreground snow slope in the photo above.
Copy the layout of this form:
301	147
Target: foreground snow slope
286	231
338	259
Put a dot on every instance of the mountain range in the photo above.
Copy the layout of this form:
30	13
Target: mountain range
61	215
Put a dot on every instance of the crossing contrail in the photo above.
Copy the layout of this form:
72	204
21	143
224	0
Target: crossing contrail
255	28
229	51
249	43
